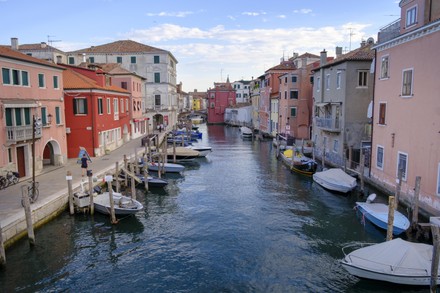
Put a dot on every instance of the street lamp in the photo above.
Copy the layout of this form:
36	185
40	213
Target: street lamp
49	119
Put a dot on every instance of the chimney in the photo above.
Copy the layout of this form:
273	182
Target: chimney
323	58
59	59
43	45
338	52
303	62
14	44
84	57
363	43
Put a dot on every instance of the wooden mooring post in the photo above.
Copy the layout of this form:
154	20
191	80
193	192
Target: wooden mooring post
92	207
415	208
399	185
362	171
28	214
391	208
133	185
2	249
435	256
109	179
117	171
70	192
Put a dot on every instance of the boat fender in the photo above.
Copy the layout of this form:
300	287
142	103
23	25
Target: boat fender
371	198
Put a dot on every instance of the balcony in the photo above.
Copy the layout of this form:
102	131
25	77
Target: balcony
328	124
389	32
19	133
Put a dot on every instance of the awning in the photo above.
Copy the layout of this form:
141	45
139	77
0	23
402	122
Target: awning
20	103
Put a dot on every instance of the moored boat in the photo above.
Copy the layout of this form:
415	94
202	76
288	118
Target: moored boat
335	179
123	205
298	162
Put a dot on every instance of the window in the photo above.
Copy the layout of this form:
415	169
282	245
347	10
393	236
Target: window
293	112
335	145
25	78
407	82
109	108
41	83
338	79
126	105
133	59
100	106
318	84
411	16
57	115
9	155
156	59
294	94
382	113
438	179
402	163
157	100
122	106
362	78
115	106
15	77
327	82
91	59
379	157
294	78
80	106
55	82
157	77
5	76
384	67
44	116
71	60
119	59
124	85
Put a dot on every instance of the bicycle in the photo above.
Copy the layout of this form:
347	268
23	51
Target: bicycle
32	193
3	182
12	177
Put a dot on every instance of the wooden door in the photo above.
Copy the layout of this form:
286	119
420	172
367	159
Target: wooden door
21	164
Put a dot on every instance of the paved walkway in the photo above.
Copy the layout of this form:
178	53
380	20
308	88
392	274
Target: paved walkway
53	182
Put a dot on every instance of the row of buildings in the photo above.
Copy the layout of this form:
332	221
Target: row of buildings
380	99
96	98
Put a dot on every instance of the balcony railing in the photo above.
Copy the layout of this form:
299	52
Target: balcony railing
389	31
328	124
19	133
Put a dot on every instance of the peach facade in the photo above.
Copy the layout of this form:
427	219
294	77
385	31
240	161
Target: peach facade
31	88
406	131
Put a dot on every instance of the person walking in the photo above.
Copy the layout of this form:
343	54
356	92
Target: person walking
84	165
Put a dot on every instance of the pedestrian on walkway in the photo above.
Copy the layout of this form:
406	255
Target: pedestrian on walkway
84	165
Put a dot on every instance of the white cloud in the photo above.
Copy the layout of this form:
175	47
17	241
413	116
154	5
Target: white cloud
303	11
172	14
281	16
253	13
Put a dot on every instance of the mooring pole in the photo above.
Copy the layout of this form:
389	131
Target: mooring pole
415	214
2	249
92	207
435	257
133	187
109	179
391	204
70	192
362	170
28	214
398	186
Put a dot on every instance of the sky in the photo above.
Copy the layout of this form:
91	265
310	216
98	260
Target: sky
210	39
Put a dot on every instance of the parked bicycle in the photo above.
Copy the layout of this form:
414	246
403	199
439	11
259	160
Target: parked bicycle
12	177
3	182
33	193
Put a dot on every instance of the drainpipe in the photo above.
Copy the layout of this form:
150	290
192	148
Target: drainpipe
93	122
372	113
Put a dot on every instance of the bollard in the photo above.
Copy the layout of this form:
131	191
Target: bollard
109	179
70	192
391	208
92	207
2	249
28	214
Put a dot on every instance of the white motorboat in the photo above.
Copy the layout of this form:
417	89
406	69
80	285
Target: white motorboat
182	154
203	150
377	213
335	179
396	261
123	205
167	167
246	132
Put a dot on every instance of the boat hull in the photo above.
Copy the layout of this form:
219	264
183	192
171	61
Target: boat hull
123	205
377	213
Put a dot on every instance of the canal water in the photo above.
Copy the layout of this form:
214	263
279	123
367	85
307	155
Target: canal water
235	221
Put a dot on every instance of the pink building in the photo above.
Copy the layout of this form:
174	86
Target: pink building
406	115
31	88
295	106
222	96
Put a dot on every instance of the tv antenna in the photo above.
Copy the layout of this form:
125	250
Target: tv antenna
50	41
351	34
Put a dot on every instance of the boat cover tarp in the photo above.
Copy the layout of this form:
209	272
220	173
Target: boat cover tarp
288	153
396	257
336	175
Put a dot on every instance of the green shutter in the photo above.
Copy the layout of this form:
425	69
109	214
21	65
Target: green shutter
43	116
25	78
8	112
57	115
6	76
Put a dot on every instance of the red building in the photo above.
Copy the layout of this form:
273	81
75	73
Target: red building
97	113
222	96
